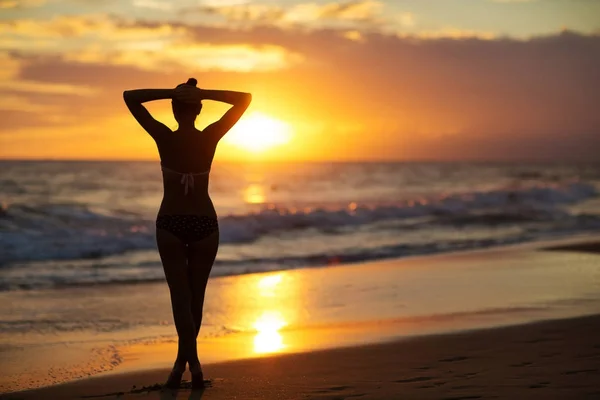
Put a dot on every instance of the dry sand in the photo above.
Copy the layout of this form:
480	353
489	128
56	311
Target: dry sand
549	360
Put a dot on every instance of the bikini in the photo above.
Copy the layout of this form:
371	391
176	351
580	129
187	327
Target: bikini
186	227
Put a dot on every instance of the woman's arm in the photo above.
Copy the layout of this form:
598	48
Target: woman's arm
144	95
227	96
240	102
134	100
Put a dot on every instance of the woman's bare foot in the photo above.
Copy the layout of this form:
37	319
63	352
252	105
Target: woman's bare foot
174	379
197	376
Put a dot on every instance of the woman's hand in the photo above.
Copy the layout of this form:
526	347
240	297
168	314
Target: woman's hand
188	94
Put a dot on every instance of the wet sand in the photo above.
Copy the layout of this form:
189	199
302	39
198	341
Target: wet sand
585	247
549	360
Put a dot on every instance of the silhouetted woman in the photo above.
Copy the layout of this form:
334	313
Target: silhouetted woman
187	231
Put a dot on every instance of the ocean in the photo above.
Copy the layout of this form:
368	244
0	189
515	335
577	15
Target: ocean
77	223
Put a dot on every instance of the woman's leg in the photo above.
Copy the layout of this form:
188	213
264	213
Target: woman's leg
173	253
201	256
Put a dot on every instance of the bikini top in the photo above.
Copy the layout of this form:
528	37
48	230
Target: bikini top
187	178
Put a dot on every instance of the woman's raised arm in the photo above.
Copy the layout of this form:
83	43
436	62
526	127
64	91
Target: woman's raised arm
240	102
134	100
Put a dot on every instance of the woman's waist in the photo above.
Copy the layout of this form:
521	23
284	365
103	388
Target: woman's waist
185	184
193	205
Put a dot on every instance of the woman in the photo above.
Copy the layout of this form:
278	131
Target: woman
187	232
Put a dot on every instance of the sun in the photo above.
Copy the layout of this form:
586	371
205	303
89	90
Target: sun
258	132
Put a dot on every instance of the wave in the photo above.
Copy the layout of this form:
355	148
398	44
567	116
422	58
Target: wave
497	206
74	231
69	273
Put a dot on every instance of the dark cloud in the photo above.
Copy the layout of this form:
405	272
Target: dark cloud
101	76
15	119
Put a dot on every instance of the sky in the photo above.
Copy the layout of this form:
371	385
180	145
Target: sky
402	80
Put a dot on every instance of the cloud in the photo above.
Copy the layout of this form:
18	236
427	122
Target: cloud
451	33
347	13
513	1
153	4
355	10
40	87
201	57
94	26
30	103
110	40
262	13
10	82
417	97
21	3
407	19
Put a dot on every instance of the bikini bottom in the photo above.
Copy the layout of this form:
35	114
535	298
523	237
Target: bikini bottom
188	228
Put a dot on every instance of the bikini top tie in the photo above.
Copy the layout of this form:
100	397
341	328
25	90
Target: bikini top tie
187	178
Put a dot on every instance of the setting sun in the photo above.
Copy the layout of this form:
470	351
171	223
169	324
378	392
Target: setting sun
259	132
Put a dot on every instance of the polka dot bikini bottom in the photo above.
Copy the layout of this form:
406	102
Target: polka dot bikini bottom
188	228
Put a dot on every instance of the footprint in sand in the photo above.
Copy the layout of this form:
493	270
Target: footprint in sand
338	390
433	385
454	359
468	375
539	385
579	371
463	387
332	389
549	355
541	340
415	379
522	364
424	368
588	355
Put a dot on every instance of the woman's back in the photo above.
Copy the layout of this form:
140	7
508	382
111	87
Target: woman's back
186	159
187	151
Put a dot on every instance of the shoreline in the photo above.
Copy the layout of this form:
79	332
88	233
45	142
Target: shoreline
581	242
545	359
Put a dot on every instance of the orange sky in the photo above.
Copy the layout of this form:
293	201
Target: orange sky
354	80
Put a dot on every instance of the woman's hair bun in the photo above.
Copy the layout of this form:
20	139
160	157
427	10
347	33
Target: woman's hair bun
192	82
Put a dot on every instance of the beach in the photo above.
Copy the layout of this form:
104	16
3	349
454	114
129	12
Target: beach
549	360
372	342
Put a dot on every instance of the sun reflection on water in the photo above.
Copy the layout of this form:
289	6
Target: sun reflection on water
267	325
268	339
254	194
267	286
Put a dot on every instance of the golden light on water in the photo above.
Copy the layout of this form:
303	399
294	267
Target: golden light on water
268	339
269	282
259	132
267	286
254	194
